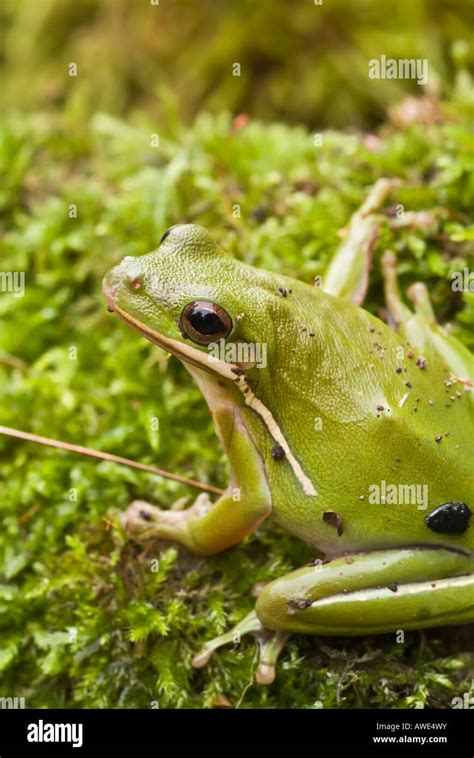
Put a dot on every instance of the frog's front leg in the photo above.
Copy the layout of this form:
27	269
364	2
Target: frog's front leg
207	527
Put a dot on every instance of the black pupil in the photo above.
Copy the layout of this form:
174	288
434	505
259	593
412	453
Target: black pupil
205	321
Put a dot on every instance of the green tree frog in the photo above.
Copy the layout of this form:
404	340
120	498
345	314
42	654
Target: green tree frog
353	435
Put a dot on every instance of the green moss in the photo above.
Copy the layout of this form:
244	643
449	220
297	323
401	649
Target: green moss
85	618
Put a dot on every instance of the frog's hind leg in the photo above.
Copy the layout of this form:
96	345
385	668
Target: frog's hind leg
420	328
270	644
398	312
347	275
357	594
371	593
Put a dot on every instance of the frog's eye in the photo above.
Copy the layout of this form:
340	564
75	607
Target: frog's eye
204	322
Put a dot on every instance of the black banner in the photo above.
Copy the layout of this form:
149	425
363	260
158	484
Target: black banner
164	732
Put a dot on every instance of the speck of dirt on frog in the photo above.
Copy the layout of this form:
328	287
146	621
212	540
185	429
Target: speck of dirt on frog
393	586
438	438
297	604
334	519
421	362
277	452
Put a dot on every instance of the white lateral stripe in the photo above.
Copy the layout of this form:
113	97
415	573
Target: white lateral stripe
272	426
408	588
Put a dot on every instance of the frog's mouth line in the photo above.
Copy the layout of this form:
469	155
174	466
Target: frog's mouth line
229	371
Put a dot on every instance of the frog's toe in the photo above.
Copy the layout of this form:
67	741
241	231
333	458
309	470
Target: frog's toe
270	645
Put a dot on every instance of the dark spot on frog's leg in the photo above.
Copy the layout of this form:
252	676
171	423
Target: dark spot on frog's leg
297	604
438	438
393	587
110	309
145	516
277	452
334	519
449	518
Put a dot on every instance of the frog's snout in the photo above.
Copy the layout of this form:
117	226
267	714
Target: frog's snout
110	288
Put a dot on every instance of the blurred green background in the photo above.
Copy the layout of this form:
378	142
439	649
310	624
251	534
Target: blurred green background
300	62
83	620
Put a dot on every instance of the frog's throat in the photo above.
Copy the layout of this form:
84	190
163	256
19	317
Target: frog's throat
231	372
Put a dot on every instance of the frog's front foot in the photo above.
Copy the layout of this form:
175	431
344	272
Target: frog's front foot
270	645
142	521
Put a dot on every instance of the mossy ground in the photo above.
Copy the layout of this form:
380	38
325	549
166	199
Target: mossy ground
85	620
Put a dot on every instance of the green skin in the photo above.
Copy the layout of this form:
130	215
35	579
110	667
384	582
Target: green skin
332	397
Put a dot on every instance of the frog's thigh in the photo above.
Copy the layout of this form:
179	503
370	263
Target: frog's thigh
373	592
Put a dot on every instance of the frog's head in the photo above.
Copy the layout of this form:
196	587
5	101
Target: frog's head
193	300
